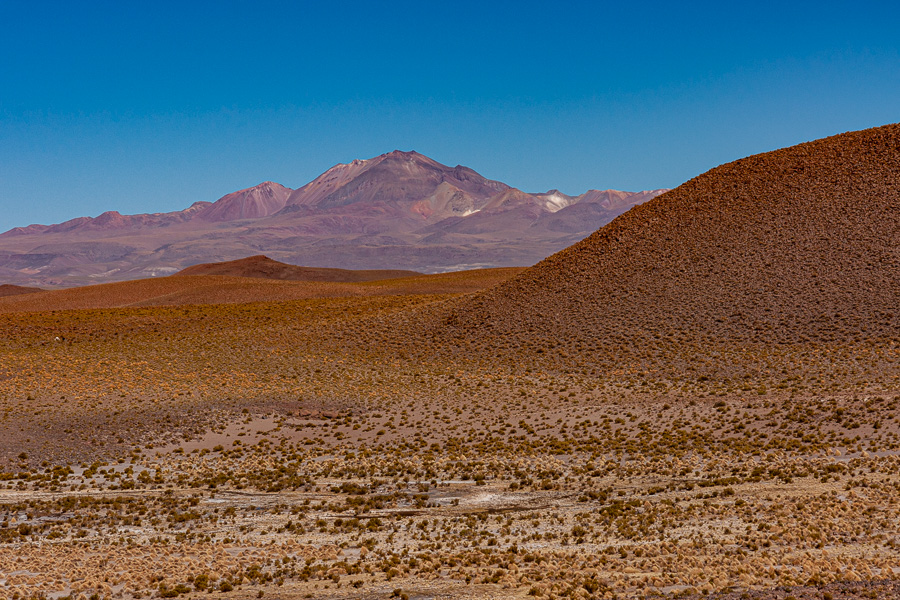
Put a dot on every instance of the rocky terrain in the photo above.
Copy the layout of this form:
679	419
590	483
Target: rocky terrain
533	433
398	210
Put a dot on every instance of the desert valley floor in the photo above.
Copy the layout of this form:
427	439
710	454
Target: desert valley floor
280	453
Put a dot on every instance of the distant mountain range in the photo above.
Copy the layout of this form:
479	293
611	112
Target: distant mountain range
400	210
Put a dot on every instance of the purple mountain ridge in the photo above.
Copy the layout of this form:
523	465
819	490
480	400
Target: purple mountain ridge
400	210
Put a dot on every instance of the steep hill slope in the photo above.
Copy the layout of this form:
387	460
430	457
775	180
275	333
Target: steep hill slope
796	245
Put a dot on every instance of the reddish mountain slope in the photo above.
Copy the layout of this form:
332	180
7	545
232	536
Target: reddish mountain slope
265	268
796	245
405	178
252	203
395	193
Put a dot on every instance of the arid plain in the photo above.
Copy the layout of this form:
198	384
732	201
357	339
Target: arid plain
702	399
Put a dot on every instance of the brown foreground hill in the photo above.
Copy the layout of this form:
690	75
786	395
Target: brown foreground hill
212	289
793	246
264	267
16	290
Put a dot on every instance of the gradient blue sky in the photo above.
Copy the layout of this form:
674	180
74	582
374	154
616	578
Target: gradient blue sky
146	107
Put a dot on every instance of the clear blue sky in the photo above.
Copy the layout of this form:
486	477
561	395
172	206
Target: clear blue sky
144	107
